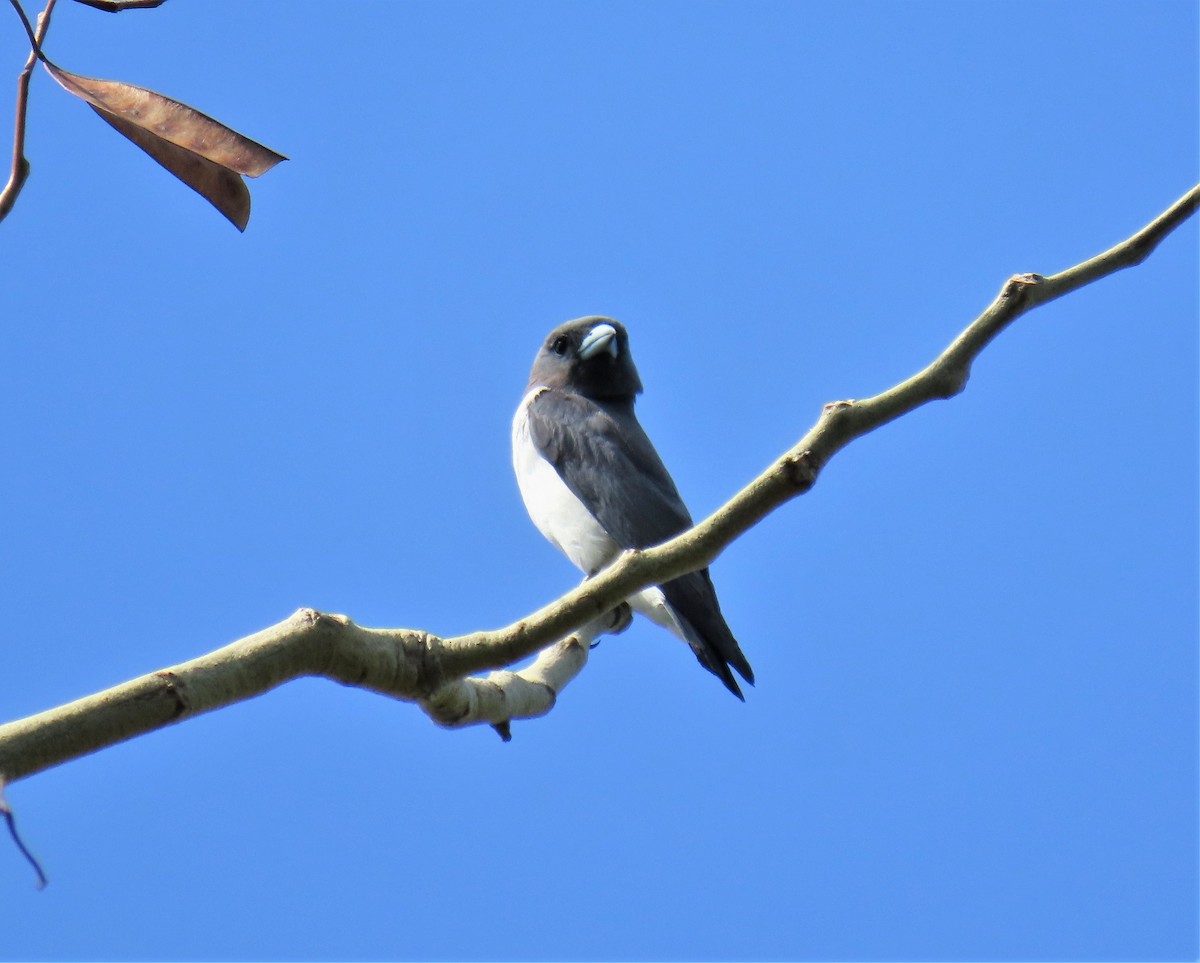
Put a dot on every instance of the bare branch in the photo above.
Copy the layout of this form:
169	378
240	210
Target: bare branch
502	696
20	164
415	666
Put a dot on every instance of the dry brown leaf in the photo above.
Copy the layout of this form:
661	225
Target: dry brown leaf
164	118
220	186
116	6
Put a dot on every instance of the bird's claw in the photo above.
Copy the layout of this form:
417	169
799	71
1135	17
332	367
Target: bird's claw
622	618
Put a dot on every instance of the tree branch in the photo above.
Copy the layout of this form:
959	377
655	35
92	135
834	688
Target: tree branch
433	672
20	164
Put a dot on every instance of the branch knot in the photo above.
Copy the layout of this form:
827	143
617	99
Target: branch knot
801	470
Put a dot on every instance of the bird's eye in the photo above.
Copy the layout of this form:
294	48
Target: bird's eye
559	345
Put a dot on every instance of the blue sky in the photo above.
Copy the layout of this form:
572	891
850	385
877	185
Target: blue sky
975	730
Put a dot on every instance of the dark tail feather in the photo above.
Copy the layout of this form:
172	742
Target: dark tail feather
713	659
695	603
716	665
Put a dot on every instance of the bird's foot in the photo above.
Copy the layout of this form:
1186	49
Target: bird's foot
614	623
622	618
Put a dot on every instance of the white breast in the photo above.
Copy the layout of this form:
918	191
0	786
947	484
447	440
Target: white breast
555	510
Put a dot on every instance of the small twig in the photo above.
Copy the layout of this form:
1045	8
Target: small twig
9	818
20	164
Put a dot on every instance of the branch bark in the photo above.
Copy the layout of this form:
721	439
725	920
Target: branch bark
437	673
20	163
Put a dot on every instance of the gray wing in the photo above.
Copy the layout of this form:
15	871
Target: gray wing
604	457
608	463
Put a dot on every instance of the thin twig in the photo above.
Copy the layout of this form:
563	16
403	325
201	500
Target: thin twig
20	164
11	820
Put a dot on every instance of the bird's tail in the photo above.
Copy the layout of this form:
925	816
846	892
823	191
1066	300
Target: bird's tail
719	659
694	604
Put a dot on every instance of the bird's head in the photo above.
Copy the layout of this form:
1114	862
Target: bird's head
589	356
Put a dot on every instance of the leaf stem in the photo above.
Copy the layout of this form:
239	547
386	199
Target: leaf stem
35	36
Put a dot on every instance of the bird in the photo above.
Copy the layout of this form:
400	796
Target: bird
594	485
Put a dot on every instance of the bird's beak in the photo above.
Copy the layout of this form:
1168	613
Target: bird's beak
603	337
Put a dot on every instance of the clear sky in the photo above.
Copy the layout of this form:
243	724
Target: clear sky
975	730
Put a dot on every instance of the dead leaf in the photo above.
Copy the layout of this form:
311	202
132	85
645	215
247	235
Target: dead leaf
221	187
116	6
171	121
